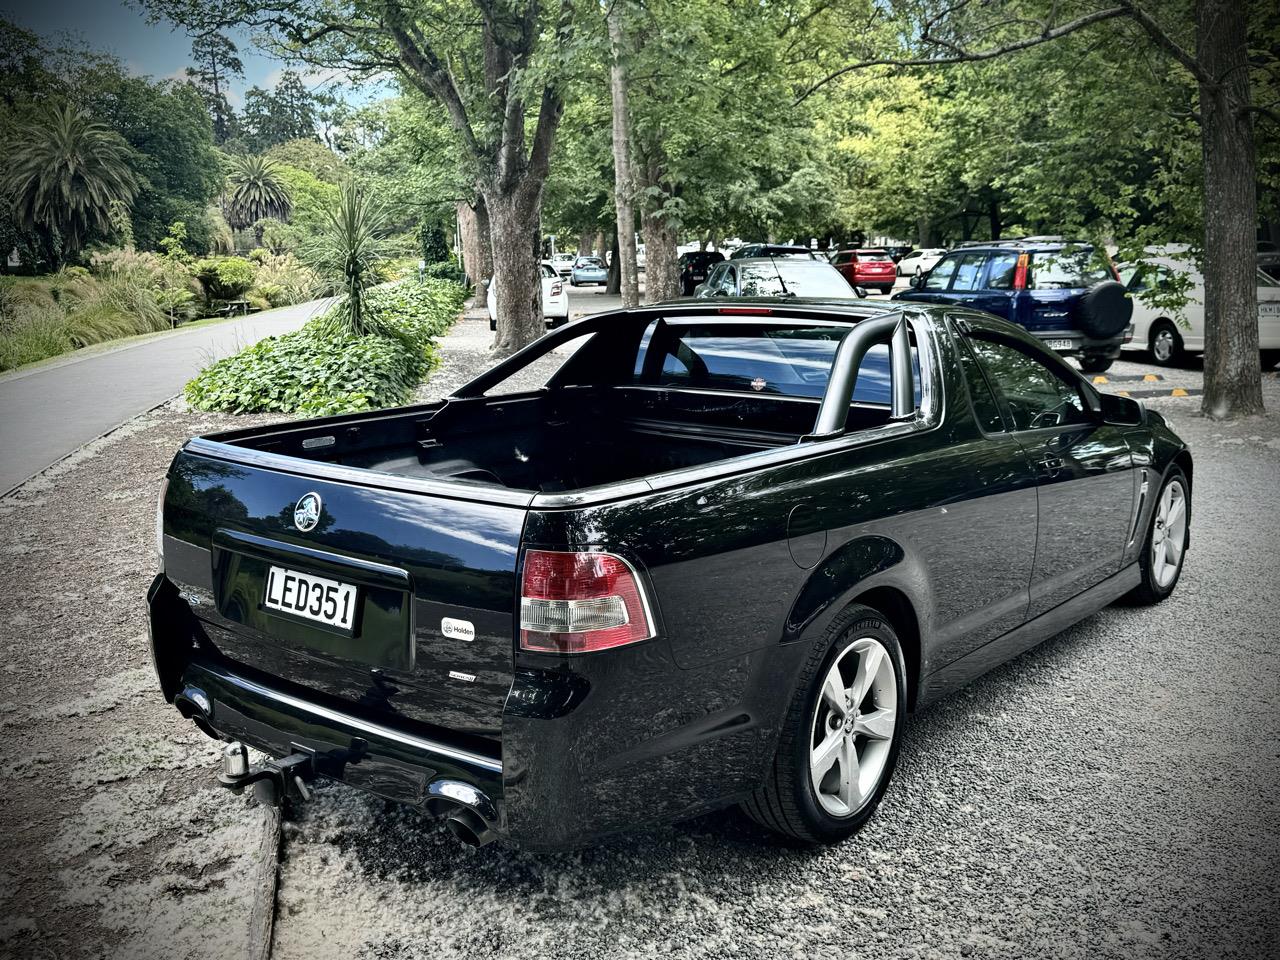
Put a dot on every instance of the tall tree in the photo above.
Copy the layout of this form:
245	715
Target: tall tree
288	112
256	192
63	173
623	179
217	61
1217	58
494	65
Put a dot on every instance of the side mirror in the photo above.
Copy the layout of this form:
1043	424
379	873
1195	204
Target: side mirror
486	283
917	281
860	291
1120	411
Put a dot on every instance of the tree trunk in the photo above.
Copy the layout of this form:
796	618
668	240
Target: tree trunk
477	255
613	286
924	232
585	247
1232	372
993	219
514	225
623	180
662	269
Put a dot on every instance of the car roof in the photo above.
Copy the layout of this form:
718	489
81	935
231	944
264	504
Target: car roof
1030	244
771	261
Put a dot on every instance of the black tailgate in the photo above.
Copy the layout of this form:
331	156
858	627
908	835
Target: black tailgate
434	578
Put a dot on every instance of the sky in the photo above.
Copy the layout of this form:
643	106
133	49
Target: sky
119	28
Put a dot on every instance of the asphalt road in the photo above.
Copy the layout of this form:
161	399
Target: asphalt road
49	411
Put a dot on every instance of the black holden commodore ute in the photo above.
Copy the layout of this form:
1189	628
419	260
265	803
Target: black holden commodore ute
717	557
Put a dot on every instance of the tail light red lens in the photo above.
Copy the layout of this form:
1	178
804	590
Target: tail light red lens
1020	272
580	602
557	289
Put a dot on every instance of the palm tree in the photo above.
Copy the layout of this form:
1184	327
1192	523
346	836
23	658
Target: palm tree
257	193
348	251
64	171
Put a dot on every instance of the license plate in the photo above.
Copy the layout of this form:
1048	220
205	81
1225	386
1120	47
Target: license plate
1060	344
310	597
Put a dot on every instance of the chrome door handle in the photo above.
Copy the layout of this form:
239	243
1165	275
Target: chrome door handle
1051	463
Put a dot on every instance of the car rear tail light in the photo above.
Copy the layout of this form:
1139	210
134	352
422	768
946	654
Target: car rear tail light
580	602
1020	272
557	289
746	311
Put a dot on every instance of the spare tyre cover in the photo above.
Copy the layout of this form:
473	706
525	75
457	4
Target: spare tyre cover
1104	310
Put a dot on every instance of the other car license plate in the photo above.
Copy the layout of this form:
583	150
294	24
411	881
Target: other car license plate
1060	344
310	597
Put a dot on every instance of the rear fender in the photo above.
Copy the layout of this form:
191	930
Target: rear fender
858	566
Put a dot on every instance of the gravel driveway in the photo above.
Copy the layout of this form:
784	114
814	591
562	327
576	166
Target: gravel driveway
1110	794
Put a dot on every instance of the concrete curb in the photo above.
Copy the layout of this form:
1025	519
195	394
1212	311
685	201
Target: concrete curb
263	915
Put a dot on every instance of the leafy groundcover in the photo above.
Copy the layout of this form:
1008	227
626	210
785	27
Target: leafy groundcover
324	369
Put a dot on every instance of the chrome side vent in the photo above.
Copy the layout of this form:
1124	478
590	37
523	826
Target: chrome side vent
1141	502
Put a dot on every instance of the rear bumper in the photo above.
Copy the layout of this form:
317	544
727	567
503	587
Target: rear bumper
584	752
1081	344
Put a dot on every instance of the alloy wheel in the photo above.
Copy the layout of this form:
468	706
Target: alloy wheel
1163	345
1169	535
853	725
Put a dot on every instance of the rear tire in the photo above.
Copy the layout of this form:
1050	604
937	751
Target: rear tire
1166	344
1165	545
1095	364
841	735
1269	358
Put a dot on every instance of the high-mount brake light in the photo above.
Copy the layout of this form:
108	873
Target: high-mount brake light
580	602
1020	272
746	311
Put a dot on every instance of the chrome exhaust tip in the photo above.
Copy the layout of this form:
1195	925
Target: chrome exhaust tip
193	703
467	826
469	813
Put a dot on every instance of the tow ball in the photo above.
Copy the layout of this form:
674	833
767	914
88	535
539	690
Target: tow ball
274	783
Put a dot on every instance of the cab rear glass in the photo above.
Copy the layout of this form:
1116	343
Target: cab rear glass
781	360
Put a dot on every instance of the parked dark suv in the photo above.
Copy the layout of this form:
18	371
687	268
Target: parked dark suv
1066	294
694	267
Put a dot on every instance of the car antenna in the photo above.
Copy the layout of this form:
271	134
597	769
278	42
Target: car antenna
783	283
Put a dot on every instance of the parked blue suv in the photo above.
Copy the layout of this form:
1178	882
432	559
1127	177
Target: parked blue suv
1065	293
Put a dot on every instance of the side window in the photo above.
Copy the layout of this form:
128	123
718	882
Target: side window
940	276
1035	394
968	270
985	407
729	281
713	281
1000	271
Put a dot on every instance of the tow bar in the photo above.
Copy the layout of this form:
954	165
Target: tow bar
274	782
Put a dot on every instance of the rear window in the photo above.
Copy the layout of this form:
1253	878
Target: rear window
1067	270
874	256
590	262
782	279
781	361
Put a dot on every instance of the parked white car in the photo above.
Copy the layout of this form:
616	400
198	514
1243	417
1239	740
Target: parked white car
1172	334
555	299
561	263
919	262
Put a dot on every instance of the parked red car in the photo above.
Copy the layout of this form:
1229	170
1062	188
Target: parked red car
867	268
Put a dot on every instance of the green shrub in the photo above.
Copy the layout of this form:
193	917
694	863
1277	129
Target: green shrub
225	278
449	270
34	334
103	321
283	281
324	369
